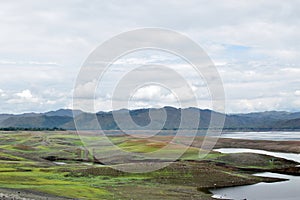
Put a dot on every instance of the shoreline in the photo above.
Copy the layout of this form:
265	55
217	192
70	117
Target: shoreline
267	145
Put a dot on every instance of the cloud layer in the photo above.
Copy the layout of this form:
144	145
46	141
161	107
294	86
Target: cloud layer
254	44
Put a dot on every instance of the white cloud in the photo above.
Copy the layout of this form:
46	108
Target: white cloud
24	97
2	93
297	93
26	94
9	62
86	90
154	93
255	45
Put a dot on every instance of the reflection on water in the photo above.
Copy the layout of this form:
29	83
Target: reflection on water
285	190
289	156
271	135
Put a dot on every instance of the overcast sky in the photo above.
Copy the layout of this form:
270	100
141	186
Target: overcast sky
254	44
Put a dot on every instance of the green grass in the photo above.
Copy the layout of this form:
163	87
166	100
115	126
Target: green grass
22	167
52	183
6	156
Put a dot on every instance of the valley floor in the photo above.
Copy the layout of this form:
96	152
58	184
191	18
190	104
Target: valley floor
54	165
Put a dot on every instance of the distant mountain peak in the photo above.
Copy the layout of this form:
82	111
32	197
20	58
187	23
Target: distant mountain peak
64	118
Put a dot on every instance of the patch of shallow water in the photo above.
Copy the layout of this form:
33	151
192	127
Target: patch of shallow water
270	135
289	156
287	190
59	163
92	164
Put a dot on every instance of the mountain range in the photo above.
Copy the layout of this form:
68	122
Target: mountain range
64	118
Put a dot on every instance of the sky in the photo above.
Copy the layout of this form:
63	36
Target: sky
255	46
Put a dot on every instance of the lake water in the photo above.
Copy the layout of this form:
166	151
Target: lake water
60	163
285	190
271	135
288	156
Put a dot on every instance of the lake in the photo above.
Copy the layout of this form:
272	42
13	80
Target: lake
271	135
287	190
288	156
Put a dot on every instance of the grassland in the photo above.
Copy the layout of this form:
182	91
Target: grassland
55	165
